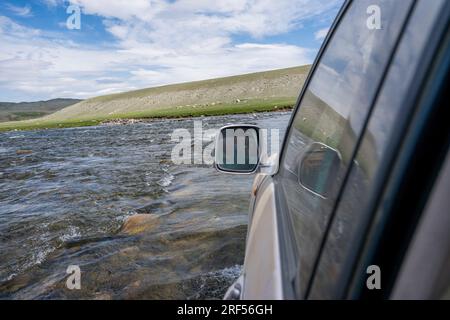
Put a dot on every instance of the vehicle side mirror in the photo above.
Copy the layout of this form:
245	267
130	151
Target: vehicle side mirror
238	149
319	169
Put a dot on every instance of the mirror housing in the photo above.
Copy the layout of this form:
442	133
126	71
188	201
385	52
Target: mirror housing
238	149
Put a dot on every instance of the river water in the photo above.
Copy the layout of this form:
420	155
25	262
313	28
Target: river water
65	194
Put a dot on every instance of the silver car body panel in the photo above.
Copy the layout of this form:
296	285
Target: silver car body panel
262	271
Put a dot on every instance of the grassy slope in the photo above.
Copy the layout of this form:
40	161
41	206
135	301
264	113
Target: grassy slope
10	111
263	91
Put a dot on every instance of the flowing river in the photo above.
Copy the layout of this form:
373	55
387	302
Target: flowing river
65	194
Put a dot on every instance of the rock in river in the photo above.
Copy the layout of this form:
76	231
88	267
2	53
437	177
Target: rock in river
23	152
140	223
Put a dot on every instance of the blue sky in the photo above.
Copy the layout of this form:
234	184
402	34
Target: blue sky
130	44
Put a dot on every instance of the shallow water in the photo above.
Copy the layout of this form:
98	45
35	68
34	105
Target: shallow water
65	193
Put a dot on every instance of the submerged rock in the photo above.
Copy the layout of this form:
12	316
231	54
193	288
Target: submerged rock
24	152
140	223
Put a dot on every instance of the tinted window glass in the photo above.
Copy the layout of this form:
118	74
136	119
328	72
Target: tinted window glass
332	112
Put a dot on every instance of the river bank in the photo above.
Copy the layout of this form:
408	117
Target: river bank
219	109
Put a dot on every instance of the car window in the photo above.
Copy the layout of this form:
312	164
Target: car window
330	118
390	113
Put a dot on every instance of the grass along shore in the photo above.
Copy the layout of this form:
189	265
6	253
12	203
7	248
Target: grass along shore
244	107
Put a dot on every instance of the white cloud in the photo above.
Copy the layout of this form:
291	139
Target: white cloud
321	34
120	9
20	11
157	42
10	29
52	3
255	17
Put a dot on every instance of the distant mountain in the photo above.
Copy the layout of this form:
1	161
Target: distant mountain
10	111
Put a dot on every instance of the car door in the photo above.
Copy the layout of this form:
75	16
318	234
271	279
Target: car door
292	209
380	144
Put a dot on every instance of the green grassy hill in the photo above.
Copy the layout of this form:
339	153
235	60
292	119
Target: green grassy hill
10	111
256	92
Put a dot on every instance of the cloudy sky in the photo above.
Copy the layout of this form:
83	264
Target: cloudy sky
130	44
